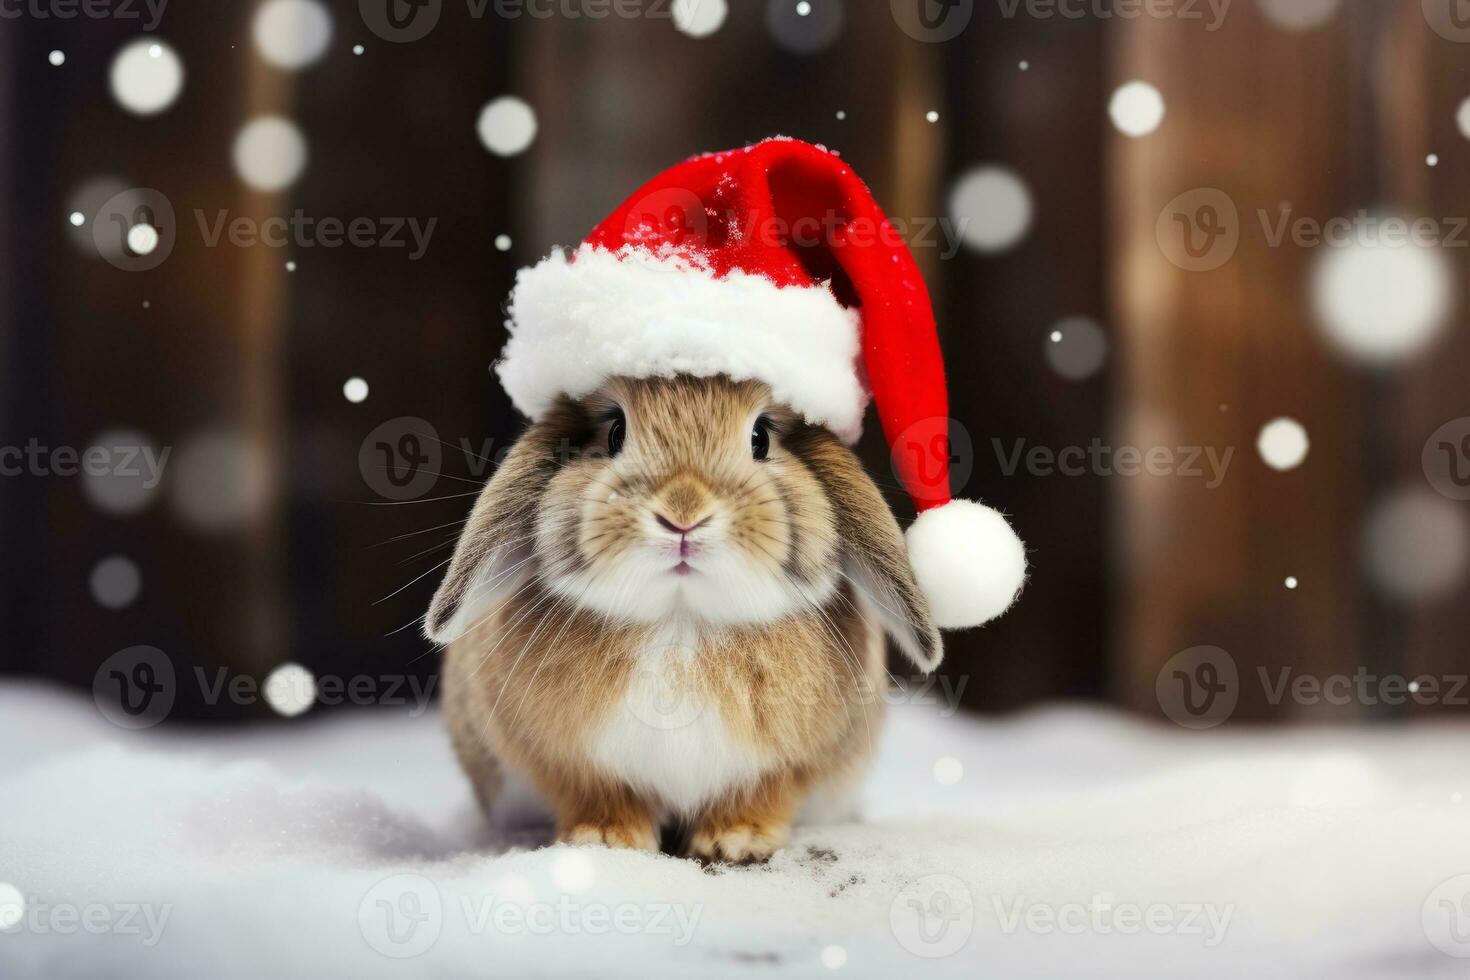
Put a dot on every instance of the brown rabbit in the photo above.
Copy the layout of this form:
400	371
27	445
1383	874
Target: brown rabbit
667	604
670	601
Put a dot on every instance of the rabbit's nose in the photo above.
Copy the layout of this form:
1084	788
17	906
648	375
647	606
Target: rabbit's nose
680	529
684	503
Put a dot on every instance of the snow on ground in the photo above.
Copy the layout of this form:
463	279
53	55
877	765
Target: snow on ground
1075	843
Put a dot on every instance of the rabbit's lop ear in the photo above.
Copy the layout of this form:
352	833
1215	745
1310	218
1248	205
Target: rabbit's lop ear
492	558
874	554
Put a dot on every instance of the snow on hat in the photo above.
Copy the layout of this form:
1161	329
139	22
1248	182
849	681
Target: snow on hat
774	263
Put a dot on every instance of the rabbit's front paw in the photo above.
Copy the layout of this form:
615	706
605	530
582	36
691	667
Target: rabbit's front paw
637	835
740	843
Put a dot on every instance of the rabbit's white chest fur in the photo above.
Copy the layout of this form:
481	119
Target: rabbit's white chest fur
669	739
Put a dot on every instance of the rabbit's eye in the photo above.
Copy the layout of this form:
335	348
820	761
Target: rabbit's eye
616	433
760	439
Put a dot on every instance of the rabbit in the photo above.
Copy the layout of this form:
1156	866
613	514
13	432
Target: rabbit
668	607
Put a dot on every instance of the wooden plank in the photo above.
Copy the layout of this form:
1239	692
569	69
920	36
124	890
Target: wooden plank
1209	356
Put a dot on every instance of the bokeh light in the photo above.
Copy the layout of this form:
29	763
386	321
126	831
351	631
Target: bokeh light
804	30
834	957
1416	545
1136	108
948	770
1076	348
115	582
132	476
270	153
507	126
1380	303
699	18
573	872
290	690
143	238
12	906
1283	444
219	480
991	209
292	33
355	390
146	77
87	200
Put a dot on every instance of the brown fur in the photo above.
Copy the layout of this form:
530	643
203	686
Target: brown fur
532	682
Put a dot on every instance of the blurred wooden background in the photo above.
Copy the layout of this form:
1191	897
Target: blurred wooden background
1126	571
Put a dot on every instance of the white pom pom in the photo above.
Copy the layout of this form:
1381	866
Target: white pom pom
968	561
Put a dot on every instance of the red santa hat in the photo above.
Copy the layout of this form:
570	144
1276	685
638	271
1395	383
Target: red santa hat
771	262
